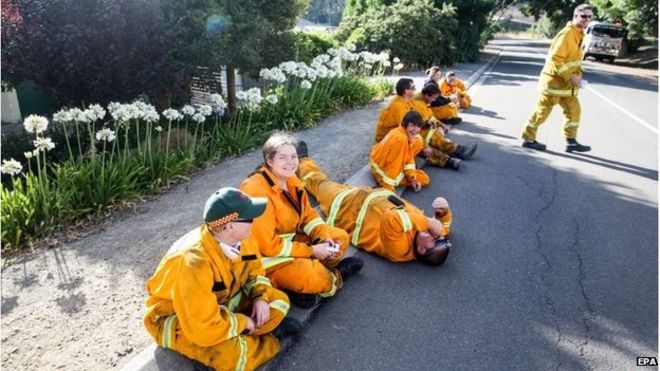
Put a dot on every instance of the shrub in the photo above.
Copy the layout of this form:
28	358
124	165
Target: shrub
311	44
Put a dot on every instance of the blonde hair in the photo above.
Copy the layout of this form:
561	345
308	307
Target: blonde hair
431	71
276	141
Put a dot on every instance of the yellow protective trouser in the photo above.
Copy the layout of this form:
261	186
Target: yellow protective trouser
243	352
420	176
309	275
441	146
448	111
465	100
570	106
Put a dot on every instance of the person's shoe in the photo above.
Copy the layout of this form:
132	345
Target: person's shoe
301	148
452	121
534	145
288	328
453	163
349	266
464	152
304	301
573	146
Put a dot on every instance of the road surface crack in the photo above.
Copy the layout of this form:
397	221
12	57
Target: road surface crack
589	314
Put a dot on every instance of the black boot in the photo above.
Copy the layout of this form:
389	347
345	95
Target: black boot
288	328
453	163
534	145
573	146
452	121
465	152
349	266
301	148
304	301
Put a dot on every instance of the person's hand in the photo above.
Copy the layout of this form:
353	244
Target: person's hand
334	247
440	212
250	326
454	99
427	152
575	80
322	251
260	312
416	186
443	127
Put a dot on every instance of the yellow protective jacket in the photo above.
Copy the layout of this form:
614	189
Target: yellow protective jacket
391	116
374	223
196	281
275	228
564	60
457	88
393	158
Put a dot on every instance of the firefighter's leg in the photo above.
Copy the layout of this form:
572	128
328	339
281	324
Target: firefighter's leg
441	143
541	112
279	307
438	158
305	276
466	101
318	184
379	179
572	110
447	111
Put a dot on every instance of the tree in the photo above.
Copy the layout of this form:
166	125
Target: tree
640	16
325	11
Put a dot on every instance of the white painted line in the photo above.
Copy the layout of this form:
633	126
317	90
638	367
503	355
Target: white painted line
625	111
631	115
474	88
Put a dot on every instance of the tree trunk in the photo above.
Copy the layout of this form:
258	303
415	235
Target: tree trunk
231	89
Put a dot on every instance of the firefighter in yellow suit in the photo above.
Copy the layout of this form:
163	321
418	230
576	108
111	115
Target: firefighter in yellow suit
560	82
302	254
209	298
392	160
391	116
378	221
452	85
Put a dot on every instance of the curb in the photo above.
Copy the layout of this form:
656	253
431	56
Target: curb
154	358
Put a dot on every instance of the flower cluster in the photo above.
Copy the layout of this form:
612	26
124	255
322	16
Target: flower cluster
105	135
43	144
218	103
91	114
123	113
273	74
172	114
251	98
11	167
35	124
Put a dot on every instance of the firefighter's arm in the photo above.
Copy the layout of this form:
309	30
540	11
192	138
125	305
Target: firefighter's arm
559	55
270	243
313	225
258	286
196	306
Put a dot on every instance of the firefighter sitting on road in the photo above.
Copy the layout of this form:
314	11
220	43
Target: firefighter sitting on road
391	116
452	85
444	107
301	252
380	222
392	160
209	298
444	152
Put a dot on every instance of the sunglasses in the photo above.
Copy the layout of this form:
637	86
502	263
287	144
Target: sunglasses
585	16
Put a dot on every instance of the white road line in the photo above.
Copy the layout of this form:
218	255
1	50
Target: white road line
474	88
628	113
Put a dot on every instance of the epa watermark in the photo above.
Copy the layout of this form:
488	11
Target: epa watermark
647	361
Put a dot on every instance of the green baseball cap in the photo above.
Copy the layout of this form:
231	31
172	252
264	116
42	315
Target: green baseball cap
228	204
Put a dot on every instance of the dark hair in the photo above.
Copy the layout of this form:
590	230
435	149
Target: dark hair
412	117
582	7
402	85
436	256
431	71
431	89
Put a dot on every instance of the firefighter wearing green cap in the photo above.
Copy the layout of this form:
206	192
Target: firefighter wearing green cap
210	299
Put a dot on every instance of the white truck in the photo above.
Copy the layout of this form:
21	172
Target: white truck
604	41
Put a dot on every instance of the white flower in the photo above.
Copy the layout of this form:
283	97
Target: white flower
43	144
28	154
11	167
62	116
396	60
289	67
151	115
398	66
158	128
387	63
105	134
188	110
205	110
199	118
305	84
113	106
250	98
172	114
273	74
35	124
90	115
332	52
99	112
35	152
383	56
271	98
218	101
350	47
79	115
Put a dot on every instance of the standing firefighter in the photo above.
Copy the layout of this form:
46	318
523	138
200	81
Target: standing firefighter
209	298
560	81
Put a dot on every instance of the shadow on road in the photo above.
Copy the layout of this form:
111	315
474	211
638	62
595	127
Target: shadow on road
610	164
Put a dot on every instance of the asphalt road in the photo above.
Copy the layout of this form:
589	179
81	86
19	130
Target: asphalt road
555	255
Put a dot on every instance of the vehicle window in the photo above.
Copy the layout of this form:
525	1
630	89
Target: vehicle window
607	31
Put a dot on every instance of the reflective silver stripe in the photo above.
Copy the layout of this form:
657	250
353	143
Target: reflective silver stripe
429	135
336	204
446	224
235	300
169	330
233	326
405	220
409	167
307	176
531	124
280	305
268	263
259	280
568	65
242	358
386	179
363	212
572	124
333	289
560	93
313	224
287	245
